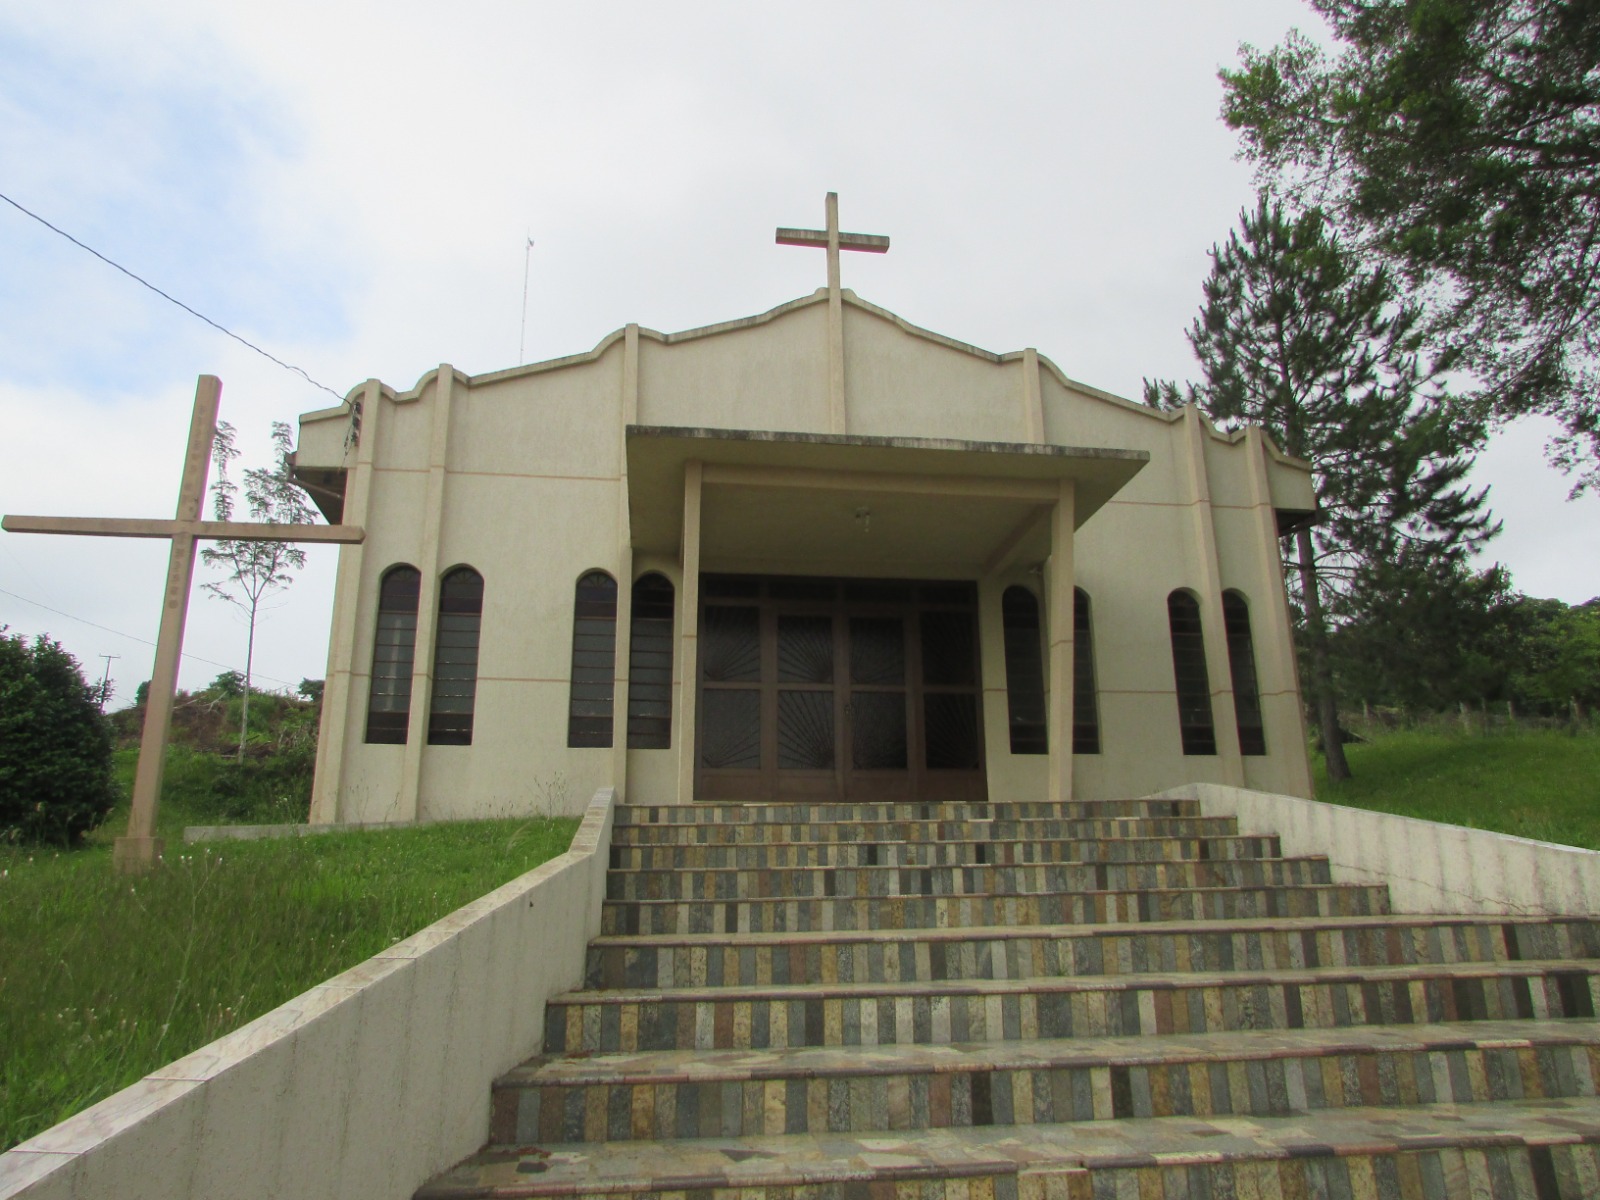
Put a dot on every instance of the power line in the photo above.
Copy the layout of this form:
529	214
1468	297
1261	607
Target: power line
192	312
136	638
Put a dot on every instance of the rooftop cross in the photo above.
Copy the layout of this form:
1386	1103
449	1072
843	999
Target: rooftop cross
834	241
140	849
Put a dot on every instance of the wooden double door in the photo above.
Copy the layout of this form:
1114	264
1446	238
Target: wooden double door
847	689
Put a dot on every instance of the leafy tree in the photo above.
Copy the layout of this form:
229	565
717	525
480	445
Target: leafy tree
311	689
1426	633
1461	139
55	746
1297	337
1557	656
255	569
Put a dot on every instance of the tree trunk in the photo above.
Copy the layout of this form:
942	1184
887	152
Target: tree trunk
1321	670
249	662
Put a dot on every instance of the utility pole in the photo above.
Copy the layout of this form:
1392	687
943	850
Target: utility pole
106	679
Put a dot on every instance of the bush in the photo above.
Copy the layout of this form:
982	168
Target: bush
55	746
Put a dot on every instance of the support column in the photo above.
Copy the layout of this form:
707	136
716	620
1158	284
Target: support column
1277	665
338	691
629	410
1032	396
140	848
687	660
1209	570
429	564
1062	578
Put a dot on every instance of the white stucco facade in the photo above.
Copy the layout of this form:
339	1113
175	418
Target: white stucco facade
754	448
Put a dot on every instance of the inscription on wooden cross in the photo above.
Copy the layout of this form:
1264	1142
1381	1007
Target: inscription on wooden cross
140	849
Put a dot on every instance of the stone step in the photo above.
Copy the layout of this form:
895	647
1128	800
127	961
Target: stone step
1221	830
941	1012
1037	878
1545	1149
777	915
790	855
956	810
748	1093
893	956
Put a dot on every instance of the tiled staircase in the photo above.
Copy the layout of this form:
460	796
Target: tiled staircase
1114	999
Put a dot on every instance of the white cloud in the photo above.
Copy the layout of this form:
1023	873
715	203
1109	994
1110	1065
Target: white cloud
350	185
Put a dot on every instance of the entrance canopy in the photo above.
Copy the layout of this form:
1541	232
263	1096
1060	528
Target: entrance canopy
825	503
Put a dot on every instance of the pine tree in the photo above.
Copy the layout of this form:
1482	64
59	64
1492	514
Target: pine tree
1296	336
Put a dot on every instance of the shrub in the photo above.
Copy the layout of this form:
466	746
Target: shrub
55	746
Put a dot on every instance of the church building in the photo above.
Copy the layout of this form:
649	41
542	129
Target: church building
817	554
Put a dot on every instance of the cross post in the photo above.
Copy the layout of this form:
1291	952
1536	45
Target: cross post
140	849
831	240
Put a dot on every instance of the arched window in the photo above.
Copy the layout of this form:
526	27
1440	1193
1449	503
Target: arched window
1085	701
1019	617
594	661
1242	666
455	658
394	652
650	664
1189	673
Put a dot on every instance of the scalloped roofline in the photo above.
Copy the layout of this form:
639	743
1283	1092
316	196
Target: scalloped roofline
819	296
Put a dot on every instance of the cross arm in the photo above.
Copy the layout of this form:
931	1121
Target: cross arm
237	531
872	243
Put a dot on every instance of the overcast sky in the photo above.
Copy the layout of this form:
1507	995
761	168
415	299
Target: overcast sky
350	186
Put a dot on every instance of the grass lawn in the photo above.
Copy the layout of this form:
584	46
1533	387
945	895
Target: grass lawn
105	978
1542	784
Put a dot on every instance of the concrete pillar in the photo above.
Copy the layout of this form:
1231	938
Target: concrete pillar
1272	631
1208	590
687	660
1032	397
629	411
343	703
430	563
1058	604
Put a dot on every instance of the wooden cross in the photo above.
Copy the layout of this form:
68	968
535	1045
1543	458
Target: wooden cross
834	241
140	849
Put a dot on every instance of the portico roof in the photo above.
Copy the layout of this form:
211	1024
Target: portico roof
784	501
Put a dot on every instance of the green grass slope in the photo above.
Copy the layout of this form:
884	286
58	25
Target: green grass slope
104	978
1542	784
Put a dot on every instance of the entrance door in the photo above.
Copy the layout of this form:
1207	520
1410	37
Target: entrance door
821	689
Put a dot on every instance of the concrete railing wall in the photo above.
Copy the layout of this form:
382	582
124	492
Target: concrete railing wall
365	1086
1429	866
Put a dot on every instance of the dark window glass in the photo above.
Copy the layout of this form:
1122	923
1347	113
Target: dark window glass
743	587
1019	616
877	651
730	644
949	648
455	658
650	664
730	728
1242	666
950	731
878	731
1085	697
805	730
801	589
876	591
1189	673
805	649
394	651
594	661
